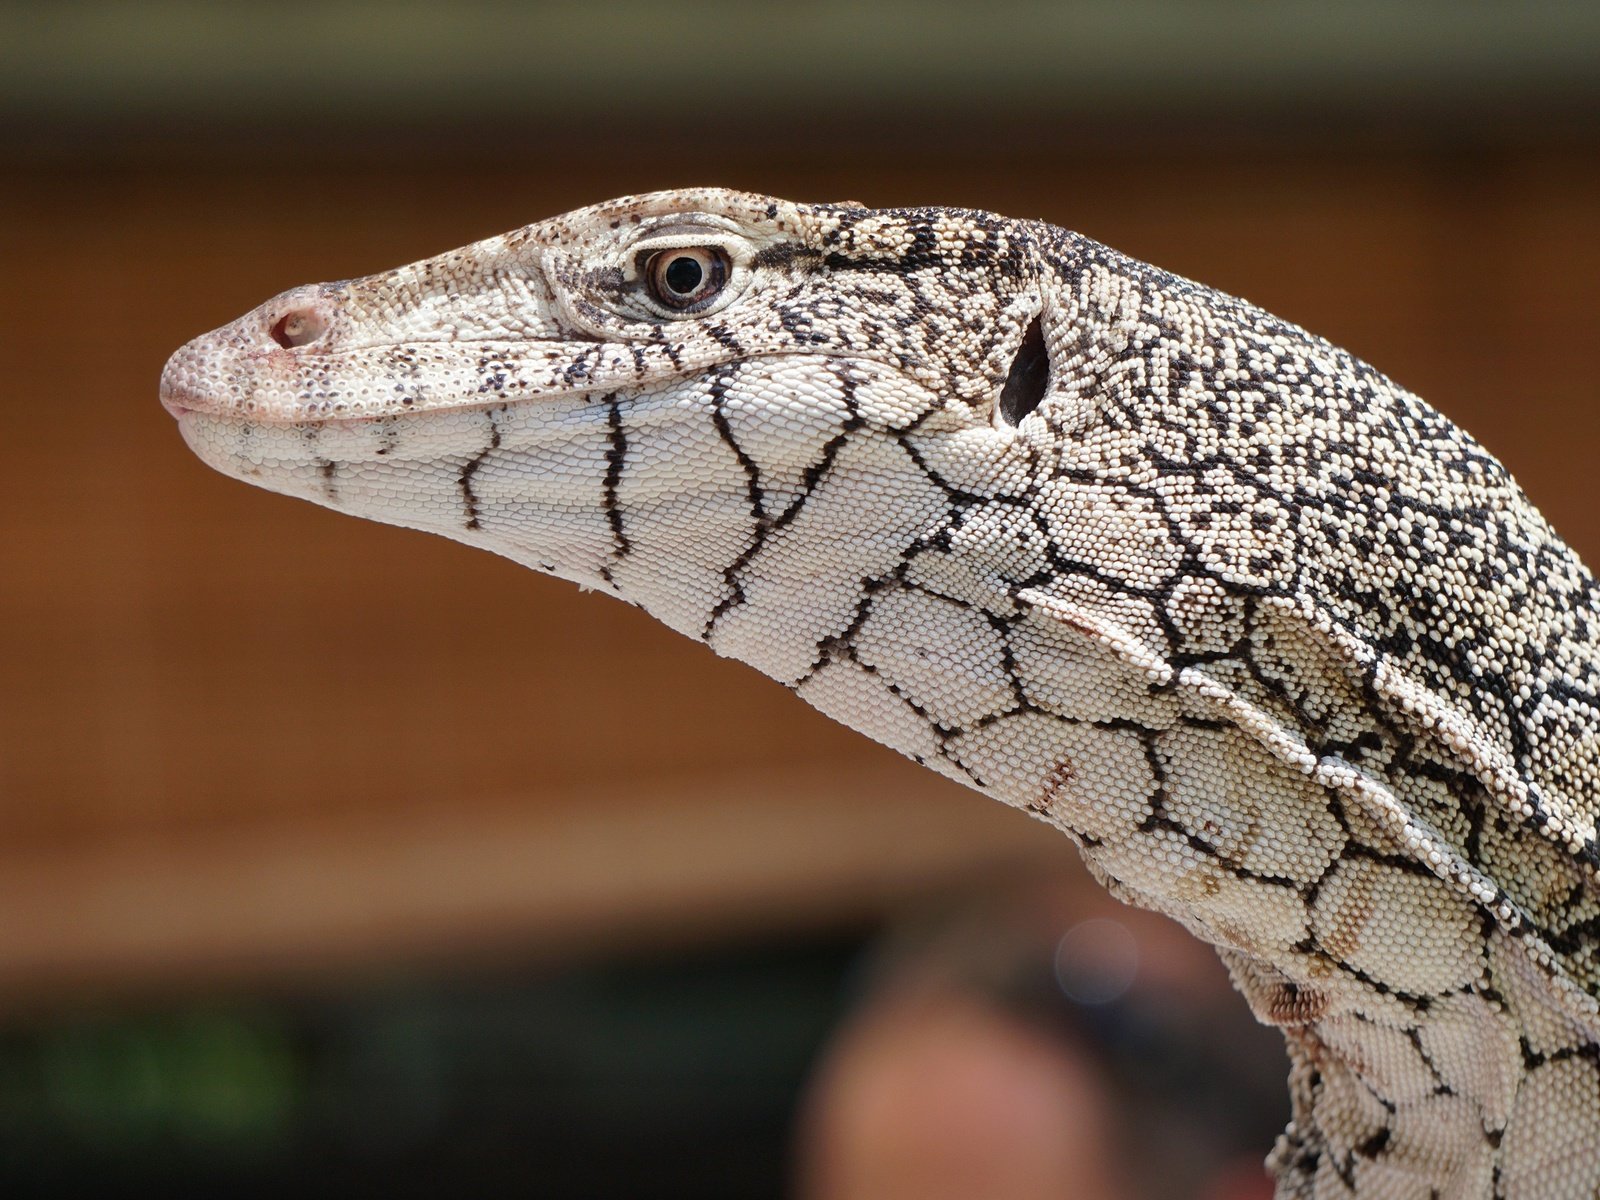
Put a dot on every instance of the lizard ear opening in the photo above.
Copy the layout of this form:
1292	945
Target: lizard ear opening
1028	378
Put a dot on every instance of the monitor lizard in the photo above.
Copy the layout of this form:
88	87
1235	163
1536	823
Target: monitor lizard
1287	654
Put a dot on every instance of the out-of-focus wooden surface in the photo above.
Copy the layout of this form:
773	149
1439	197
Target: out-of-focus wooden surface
240	734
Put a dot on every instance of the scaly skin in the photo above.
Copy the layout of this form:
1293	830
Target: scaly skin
1285	653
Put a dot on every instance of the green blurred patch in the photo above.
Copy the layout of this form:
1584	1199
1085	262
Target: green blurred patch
209	1078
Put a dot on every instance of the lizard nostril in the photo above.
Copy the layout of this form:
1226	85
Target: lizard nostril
298	328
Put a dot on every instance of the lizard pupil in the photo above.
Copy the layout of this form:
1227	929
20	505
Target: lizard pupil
683	275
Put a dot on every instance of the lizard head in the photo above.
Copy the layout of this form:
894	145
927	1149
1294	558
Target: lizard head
698	400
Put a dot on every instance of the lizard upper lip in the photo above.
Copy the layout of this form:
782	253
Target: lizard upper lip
177	399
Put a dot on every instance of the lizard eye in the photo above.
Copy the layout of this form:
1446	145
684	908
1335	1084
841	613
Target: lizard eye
685	278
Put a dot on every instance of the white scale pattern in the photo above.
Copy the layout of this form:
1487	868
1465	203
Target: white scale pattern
1287	654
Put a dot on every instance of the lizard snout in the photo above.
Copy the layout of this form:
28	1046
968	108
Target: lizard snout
245	361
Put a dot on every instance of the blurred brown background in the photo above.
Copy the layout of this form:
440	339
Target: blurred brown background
255	754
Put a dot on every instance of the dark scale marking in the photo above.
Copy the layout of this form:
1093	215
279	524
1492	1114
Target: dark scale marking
784	255
470	468
761	524
388	436
616	459
724	337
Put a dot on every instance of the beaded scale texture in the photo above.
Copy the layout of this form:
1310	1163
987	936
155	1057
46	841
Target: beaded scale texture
1284	652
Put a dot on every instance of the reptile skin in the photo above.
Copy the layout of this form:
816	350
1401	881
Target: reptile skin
1287	655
